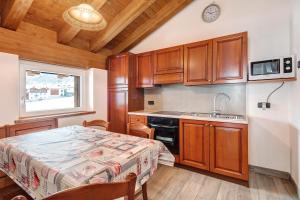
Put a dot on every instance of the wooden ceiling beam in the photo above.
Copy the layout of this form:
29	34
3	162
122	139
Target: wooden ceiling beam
68	33
169	10
32	48
13	12
133	10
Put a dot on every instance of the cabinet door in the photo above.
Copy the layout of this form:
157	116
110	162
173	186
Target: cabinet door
229	150
144	64
230	59
168	61
194	144
168	78
138	119
118	71
117	112
198	63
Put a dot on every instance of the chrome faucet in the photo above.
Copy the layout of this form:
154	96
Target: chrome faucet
215	111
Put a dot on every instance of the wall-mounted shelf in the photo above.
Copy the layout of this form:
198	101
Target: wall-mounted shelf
273	80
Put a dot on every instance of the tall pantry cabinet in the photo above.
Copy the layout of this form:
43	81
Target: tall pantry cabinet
123	96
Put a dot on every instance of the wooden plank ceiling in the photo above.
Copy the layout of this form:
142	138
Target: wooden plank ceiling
129	21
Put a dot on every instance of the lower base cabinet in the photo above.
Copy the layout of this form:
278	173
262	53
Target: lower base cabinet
194	144
220	148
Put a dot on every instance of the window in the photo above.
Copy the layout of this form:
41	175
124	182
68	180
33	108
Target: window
50	89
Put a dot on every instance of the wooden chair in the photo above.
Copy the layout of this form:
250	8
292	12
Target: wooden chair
100	123
106	191
140	130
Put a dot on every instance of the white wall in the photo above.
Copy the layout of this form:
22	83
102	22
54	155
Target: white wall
9	88
10	84
98	99
295	96
268	26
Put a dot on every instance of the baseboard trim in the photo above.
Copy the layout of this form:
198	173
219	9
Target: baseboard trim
275	173
295	186
270	172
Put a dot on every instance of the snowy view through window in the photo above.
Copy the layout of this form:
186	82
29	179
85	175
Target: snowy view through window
49	91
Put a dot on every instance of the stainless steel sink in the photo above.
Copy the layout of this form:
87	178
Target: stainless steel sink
214	115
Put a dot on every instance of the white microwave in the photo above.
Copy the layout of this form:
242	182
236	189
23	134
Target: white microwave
277	68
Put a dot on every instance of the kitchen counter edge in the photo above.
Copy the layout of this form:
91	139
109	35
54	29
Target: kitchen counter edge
150	113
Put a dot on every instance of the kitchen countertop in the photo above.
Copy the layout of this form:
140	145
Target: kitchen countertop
183	115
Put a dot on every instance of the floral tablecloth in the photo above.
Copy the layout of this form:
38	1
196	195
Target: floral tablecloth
47	162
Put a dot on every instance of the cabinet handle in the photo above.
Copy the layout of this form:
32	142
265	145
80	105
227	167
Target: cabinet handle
211	125
206	124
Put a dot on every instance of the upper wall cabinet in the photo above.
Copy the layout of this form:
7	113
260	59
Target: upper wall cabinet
198	63
144	67
216	61
118	71
168	65
230	58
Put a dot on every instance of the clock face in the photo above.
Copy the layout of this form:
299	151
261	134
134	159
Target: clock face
211	13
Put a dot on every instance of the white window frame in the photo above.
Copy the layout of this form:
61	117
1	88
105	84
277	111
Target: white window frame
49	68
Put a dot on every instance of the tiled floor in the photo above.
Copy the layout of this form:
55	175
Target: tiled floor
171	183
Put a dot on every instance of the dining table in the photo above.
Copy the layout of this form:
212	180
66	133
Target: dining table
47	162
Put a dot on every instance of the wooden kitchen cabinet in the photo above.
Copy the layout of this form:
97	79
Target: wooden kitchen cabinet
217	147
198	63
168	65
230	58
138	119
118	71
123	95
144	65
229	149
194	143
216	61
117	110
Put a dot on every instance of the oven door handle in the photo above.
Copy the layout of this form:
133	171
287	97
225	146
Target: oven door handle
162	126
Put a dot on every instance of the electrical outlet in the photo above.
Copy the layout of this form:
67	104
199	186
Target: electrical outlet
151	103
264	105
298	64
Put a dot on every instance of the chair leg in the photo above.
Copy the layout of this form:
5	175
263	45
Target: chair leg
144	189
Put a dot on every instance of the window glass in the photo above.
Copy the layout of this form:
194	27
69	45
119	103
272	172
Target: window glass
51	91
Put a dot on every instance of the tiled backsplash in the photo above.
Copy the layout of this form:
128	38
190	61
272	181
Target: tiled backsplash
197	98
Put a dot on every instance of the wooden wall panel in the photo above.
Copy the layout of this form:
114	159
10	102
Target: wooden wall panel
2	135
2	132
33	48
31	127
20	129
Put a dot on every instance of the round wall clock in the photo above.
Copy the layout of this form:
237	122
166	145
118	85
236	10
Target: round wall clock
211	13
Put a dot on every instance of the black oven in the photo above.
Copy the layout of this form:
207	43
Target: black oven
166	131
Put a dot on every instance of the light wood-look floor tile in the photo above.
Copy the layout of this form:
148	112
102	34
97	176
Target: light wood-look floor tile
171	183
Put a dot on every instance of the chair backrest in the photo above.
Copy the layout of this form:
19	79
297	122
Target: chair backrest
100	123
20	197
140	130
106	191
